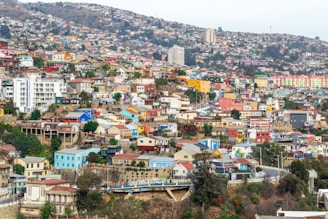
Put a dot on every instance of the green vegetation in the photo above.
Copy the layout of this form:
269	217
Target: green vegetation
27	144
18	169
207	186
36	114
46	210
90	126
113	141
290	104
160	81
192	94
269	152
9	108
208	129
117	97
38	62
95	158
235	114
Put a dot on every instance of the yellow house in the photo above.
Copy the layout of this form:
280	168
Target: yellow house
270	108
230	95
252	105
34	166
1	112
141	129
261	82
200	85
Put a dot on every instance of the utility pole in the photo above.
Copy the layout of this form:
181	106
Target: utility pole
282	159
260	156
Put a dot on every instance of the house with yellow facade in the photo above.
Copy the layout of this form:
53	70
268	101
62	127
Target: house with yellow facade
200	85
1	112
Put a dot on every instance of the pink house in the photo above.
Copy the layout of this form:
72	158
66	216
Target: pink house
227	105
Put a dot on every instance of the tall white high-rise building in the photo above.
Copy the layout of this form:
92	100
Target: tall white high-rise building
210	36
31	93
176	55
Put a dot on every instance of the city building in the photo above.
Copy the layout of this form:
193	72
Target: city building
31	93
210	36
34	166
200	85
73	158
176	55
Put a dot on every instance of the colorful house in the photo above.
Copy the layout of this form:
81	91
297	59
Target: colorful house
76	117
161	162
88	111
130	114
73	158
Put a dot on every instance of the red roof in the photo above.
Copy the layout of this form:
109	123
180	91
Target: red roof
64	189
188	166
126	156
243	161
121	127
50	181
81	80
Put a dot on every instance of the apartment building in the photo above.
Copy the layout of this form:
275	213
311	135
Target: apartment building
176	55
210	36
300	81
30	93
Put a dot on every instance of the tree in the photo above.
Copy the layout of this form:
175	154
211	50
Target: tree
117	97
95	158
91	126
9	108
105	67
89	74
267	151
84	96
38	62
211	95
52	108
137	74
235	114
18	169
36	114
298	168
68	211
96	89
89	198
192	94
55	143
89	180
207	129
255	86
141	164
113	141
290	184
290	104
180	72
207	185
46	210
71	67
161	81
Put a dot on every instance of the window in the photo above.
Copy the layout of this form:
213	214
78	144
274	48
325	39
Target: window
38	165
27	166
185	156
31	165
141	141
150	141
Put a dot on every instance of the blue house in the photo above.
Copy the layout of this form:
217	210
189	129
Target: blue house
130	114
88	111
158	162
243	164
73	158
134	129
210	143
76	117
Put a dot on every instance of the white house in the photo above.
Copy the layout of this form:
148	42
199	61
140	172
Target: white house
182	170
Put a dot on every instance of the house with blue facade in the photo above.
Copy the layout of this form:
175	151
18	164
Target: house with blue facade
210	143
76	117
130	114
159	162
88	111
73	158
134	129
243	164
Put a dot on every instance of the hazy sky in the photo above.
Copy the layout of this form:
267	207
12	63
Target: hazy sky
299	17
